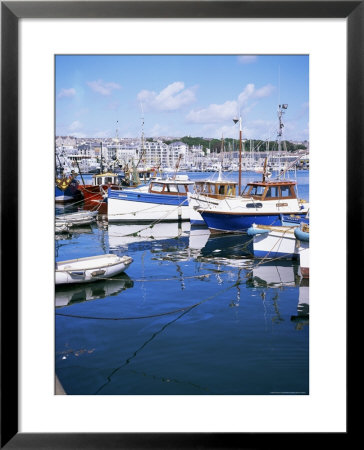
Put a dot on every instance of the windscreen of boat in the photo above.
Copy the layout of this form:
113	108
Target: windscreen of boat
156	187
254	190
288	191
173	188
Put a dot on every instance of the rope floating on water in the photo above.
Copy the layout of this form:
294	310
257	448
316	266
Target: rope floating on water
74	316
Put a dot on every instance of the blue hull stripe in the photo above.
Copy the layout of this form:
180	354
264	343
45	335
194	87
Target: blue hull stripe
230	222
146	197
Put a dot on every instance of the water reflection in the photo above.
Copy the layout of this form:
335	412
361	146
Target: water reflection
274	274
124	237
69	294
302	316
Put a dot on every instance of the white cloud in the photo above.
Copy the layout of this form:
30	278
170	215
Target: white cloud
71	92
216	113
171	98
102	87
247	59
76	125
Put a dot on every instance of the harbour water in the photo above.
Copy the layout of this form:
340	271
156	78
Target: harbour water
195	313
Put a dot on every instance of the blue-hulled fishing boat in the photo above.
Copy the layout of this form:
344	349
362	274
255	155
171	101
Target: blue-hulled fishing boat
262	202
66	188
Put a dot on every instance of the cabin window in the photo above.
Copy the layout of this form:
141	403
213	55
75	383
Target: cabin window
272	192
222	190
230	191
285	191
172	188
257	190
157	187
181	188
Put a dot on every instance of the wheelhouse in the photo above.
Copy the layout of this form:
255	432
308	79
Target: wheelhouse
270	190
220	189
107	178
177	186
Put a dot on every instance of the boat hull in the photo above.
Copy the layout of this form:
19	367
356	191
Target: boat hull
76	219
236	222
139	206
85	270
304	254
71	193
274	242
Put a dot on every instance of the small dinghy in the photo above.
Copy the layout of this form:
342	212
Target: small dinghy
76	219
92	268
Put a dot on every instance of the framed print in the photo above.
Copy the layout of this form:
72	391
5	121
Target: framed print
132	86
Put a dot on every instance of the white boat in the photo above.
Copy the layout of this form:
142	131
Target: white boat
302	234
92	268
282	242
273	241
76	219
165	201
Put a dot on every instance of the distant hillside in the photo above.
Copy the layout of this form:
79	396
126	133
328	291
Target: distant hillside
233	144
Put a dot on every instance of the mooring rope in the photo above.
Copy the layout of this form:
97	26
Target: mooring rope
74	316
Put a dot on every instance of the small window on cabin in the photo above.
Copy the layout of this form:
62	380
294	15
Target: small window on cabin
285	191
222	190
272	192
99	181
181	188
257	190
172	188
157	187
108	180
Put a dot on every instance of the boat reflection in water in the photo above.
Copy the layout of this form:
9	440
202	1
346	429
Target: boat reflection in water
302	316
227	249
67	295
274	274
129	236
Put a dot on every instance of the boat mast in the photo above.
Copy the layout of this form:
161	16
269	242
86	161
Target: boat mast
236	120
101	165
142	138
280	129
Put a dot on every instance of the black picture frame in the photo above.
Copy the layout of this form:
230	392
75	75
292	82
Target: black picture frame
11	12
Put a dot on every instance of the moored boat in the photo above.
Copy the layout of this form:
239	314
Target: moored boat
92	268
262	202
67	188
273	241
164	201
76	219
303	237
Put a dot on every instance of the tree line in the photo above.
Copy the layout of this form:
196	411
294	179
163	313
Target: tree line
229	144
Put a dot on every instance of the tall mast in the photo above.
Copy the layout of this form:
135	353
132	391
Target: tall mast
236	120
280	127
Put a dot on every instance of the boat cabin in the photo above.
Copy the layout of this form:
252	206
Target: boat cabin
180	185
270	190
216	189
107	178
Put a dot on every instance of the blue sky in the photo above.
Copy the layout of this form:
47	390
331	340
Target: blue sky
179	95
